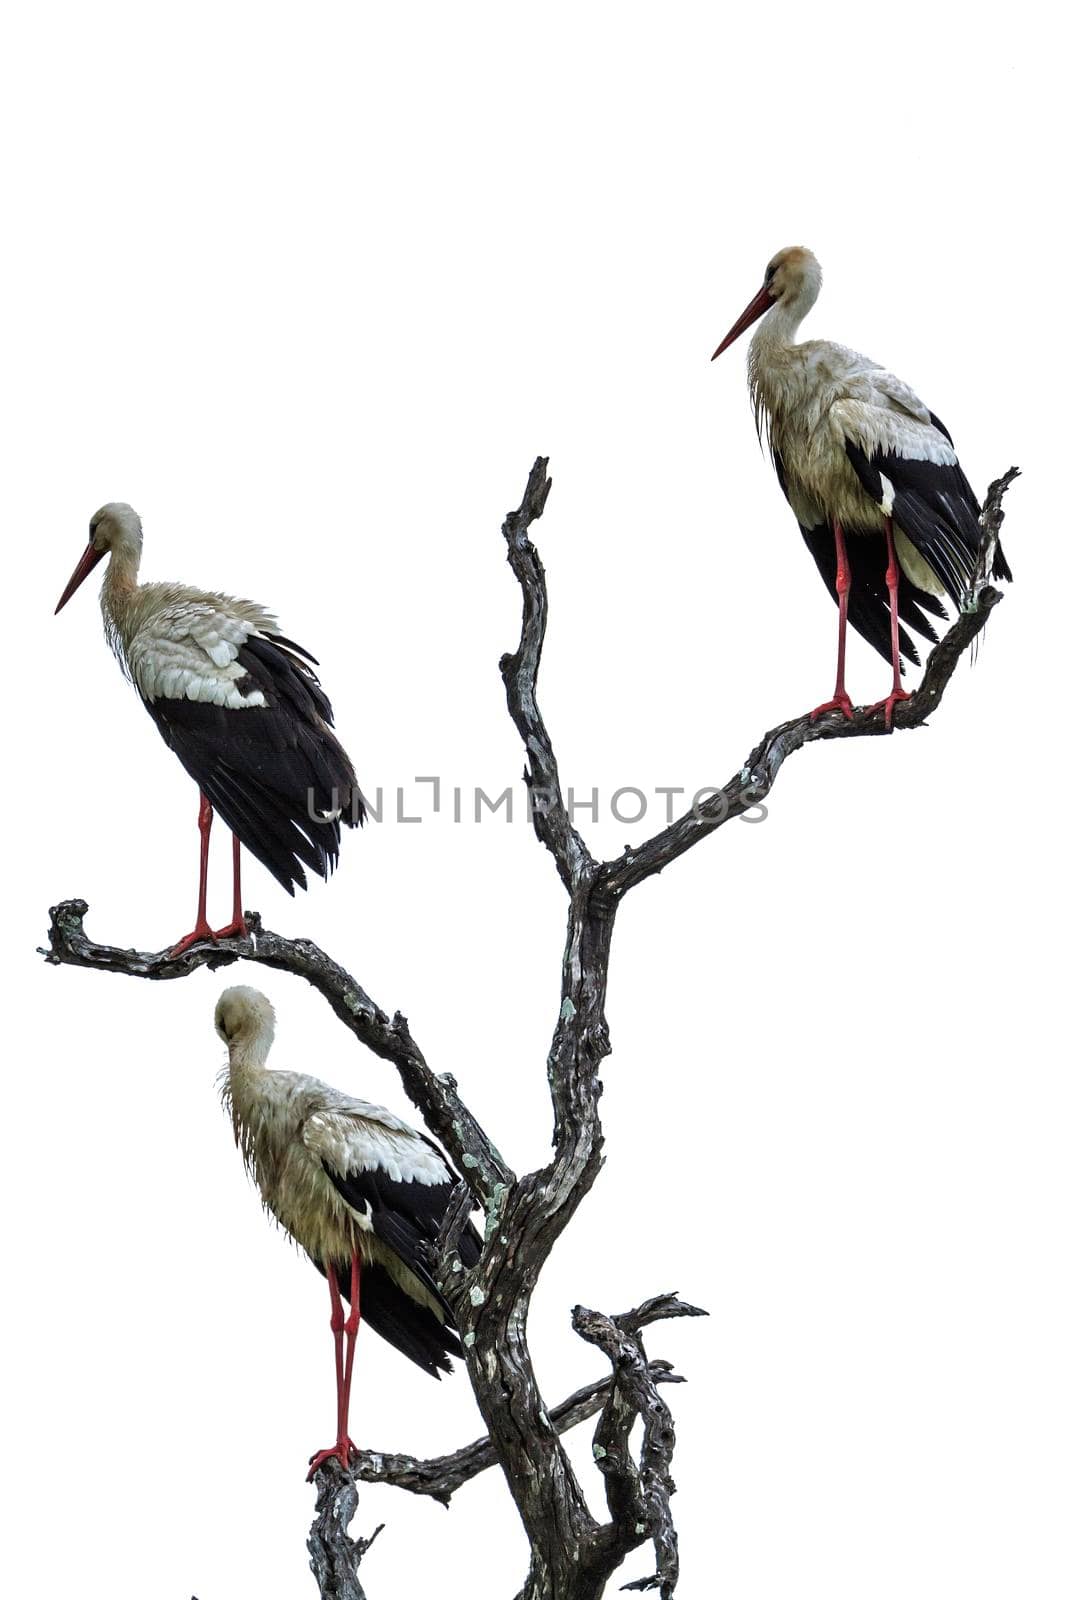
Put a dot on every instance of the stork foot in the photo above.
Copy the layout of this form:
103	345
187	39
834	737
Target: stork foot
893	698
232	930
198	935
840	702
337	1452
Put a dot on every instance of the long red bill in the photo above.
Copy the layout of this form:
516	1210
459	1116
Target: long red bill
753	311
81	572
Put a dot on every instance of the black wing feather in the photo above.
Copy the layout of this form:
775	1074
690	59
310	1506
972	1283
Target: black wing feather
264	768
405	1216
936	507
294	649
940	426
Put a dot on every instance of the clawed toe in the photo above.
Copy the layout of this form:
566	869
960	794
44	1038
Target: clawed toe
893	698
341	1451
840	702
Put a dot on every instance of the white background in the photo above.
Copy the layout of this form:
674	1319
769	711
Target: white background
310	287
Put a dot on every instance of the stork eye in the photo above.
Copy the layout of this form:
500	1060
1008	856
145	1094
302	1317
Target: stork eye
769	274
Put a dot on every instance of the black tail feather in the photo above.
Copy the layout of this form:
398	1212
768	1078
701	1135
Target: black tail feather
1001	569
411	1328
868	601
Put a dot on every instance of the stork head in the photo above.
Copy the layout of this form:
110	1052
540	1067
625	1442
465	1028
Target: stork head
115	528
793	279
244	1017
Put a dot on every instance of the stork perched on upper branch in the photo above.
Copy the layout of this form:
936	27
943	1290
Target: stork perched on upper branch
357	1188
859	455
240	707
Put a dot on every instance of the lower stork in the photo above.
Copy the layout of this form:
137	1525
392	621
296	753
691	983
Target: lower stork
865	466
240	706
356	1188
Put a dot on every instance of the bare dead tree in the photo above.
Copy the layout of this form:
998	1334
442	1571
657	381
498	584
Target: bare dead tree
573	1552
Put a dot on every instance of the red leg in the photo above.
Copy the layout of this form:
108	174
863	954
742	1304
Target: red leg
238	909
337	1328
201	931
843	584
341	1326
238	927
351	1328
892	578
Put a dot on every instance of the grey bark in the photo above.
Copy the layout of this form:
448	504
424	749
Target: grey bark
573	1553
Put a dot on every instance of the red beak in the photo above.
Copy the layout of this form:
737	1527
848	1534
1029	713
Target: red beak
752	313
81	572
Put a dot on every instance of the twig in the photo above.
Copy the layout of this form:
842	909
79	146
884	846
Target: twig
990	520
658	1309
457	1213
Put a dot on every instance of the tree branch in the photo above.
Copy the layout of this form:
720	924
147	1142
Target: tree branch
551	821
335	1556
753	782
436	1096
990	520
638	1495
440	1476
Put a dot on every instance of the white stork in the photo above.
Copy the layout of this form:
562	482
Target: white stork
858	456
240	707
355	1187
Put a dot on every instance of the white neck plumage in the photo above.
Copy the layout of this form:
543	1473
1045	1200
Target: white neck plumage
118	592
776	377
779	326
244	1085
249	1053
